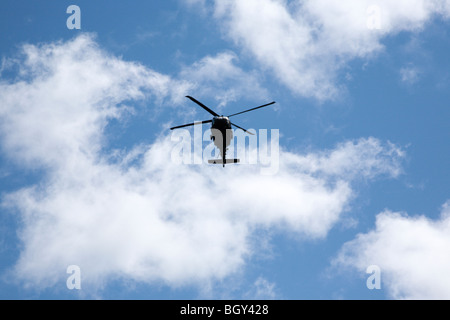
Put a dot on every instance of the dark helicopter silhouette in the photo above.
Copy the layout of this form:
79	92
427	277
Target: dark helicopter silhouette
220	130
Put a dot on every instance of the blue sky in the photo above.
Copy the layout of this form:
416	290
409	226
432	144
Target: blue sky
87	177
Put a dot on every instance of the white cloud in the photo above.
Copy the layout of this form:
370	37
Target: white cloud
306	43
365	158
141	216
65	94
412	253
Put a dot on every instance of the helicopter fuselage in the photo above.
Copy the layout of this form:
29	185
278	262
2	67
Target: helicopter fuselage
221	123
221	133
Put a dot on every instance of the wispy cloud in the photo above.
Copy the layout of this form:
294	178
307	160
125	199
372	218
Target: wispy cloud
262	289
409	75
220	77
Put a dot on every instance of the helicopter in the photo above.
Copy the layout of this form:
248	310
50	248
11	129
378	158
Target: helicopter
221	134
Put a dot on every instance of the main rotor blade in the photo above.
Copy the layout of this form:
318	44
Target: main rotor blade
242	129
203	106
191	124
265	105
